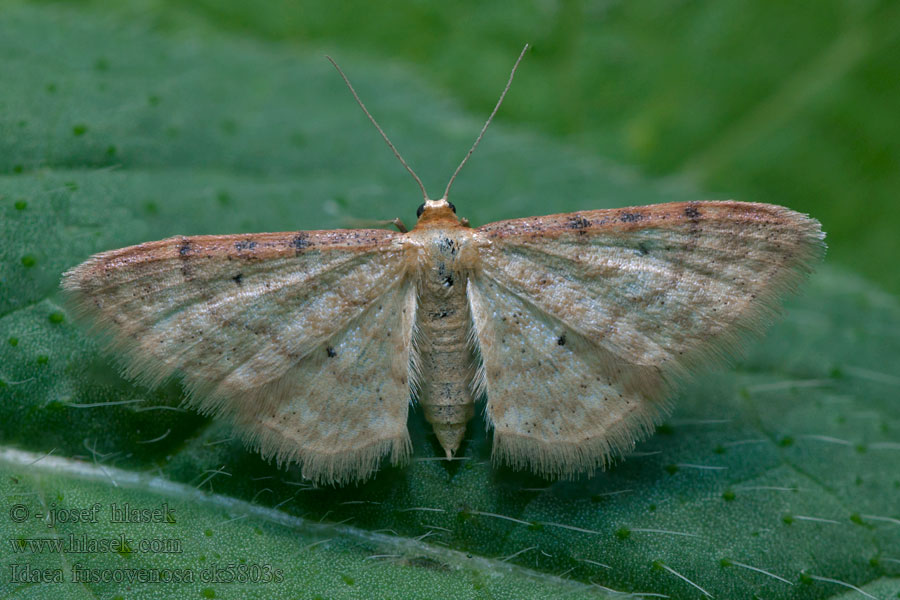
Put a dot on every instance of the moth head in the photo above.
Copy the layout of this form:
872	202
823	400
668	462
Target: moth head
436	210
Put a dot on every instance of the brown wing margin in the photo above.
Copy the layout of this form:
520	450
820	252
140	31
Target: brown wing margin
668	215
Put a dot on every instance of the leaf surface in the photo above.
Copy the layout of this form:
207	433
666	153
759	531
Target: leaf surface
774	478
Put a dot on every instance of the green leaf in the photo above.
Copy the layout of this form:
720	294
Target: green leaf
776	478
81	527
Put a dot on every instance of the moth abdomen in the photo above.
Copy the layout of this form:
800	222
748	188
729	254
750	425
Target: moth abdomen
445	356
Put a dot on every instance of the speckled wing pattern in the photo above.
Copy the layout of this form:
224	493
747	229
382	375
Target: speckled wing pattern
302	339
585	320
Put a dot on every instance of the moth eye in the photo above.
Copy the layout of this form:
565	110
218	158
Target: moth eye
453	208
420	210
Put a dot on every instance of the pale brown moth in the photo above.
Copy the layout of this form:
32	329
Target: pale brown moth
573	326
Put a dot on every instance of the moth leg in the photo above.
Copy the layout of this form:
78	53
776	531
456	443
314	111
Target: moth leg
396	222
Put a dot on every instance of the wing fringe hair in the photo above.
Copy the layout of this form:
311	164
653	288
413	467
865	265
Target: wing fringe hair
570	460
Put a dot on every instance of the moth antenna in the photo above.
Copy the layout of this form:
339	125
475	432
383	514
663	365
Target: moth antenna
378	127
488	122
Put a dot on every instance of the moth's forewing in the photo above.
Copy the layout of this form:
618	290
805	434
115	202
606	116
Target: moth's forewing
601	311
302	338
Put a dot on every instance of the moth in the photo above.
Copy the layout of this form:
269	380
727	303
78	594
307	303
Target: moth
574	327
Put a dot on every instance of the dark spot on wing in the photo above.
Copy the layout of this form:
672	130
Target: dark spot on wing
242	245
238	279
692	212
330	352
578	223
642	249
300	242
184	252
631	217
442	314
561	341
